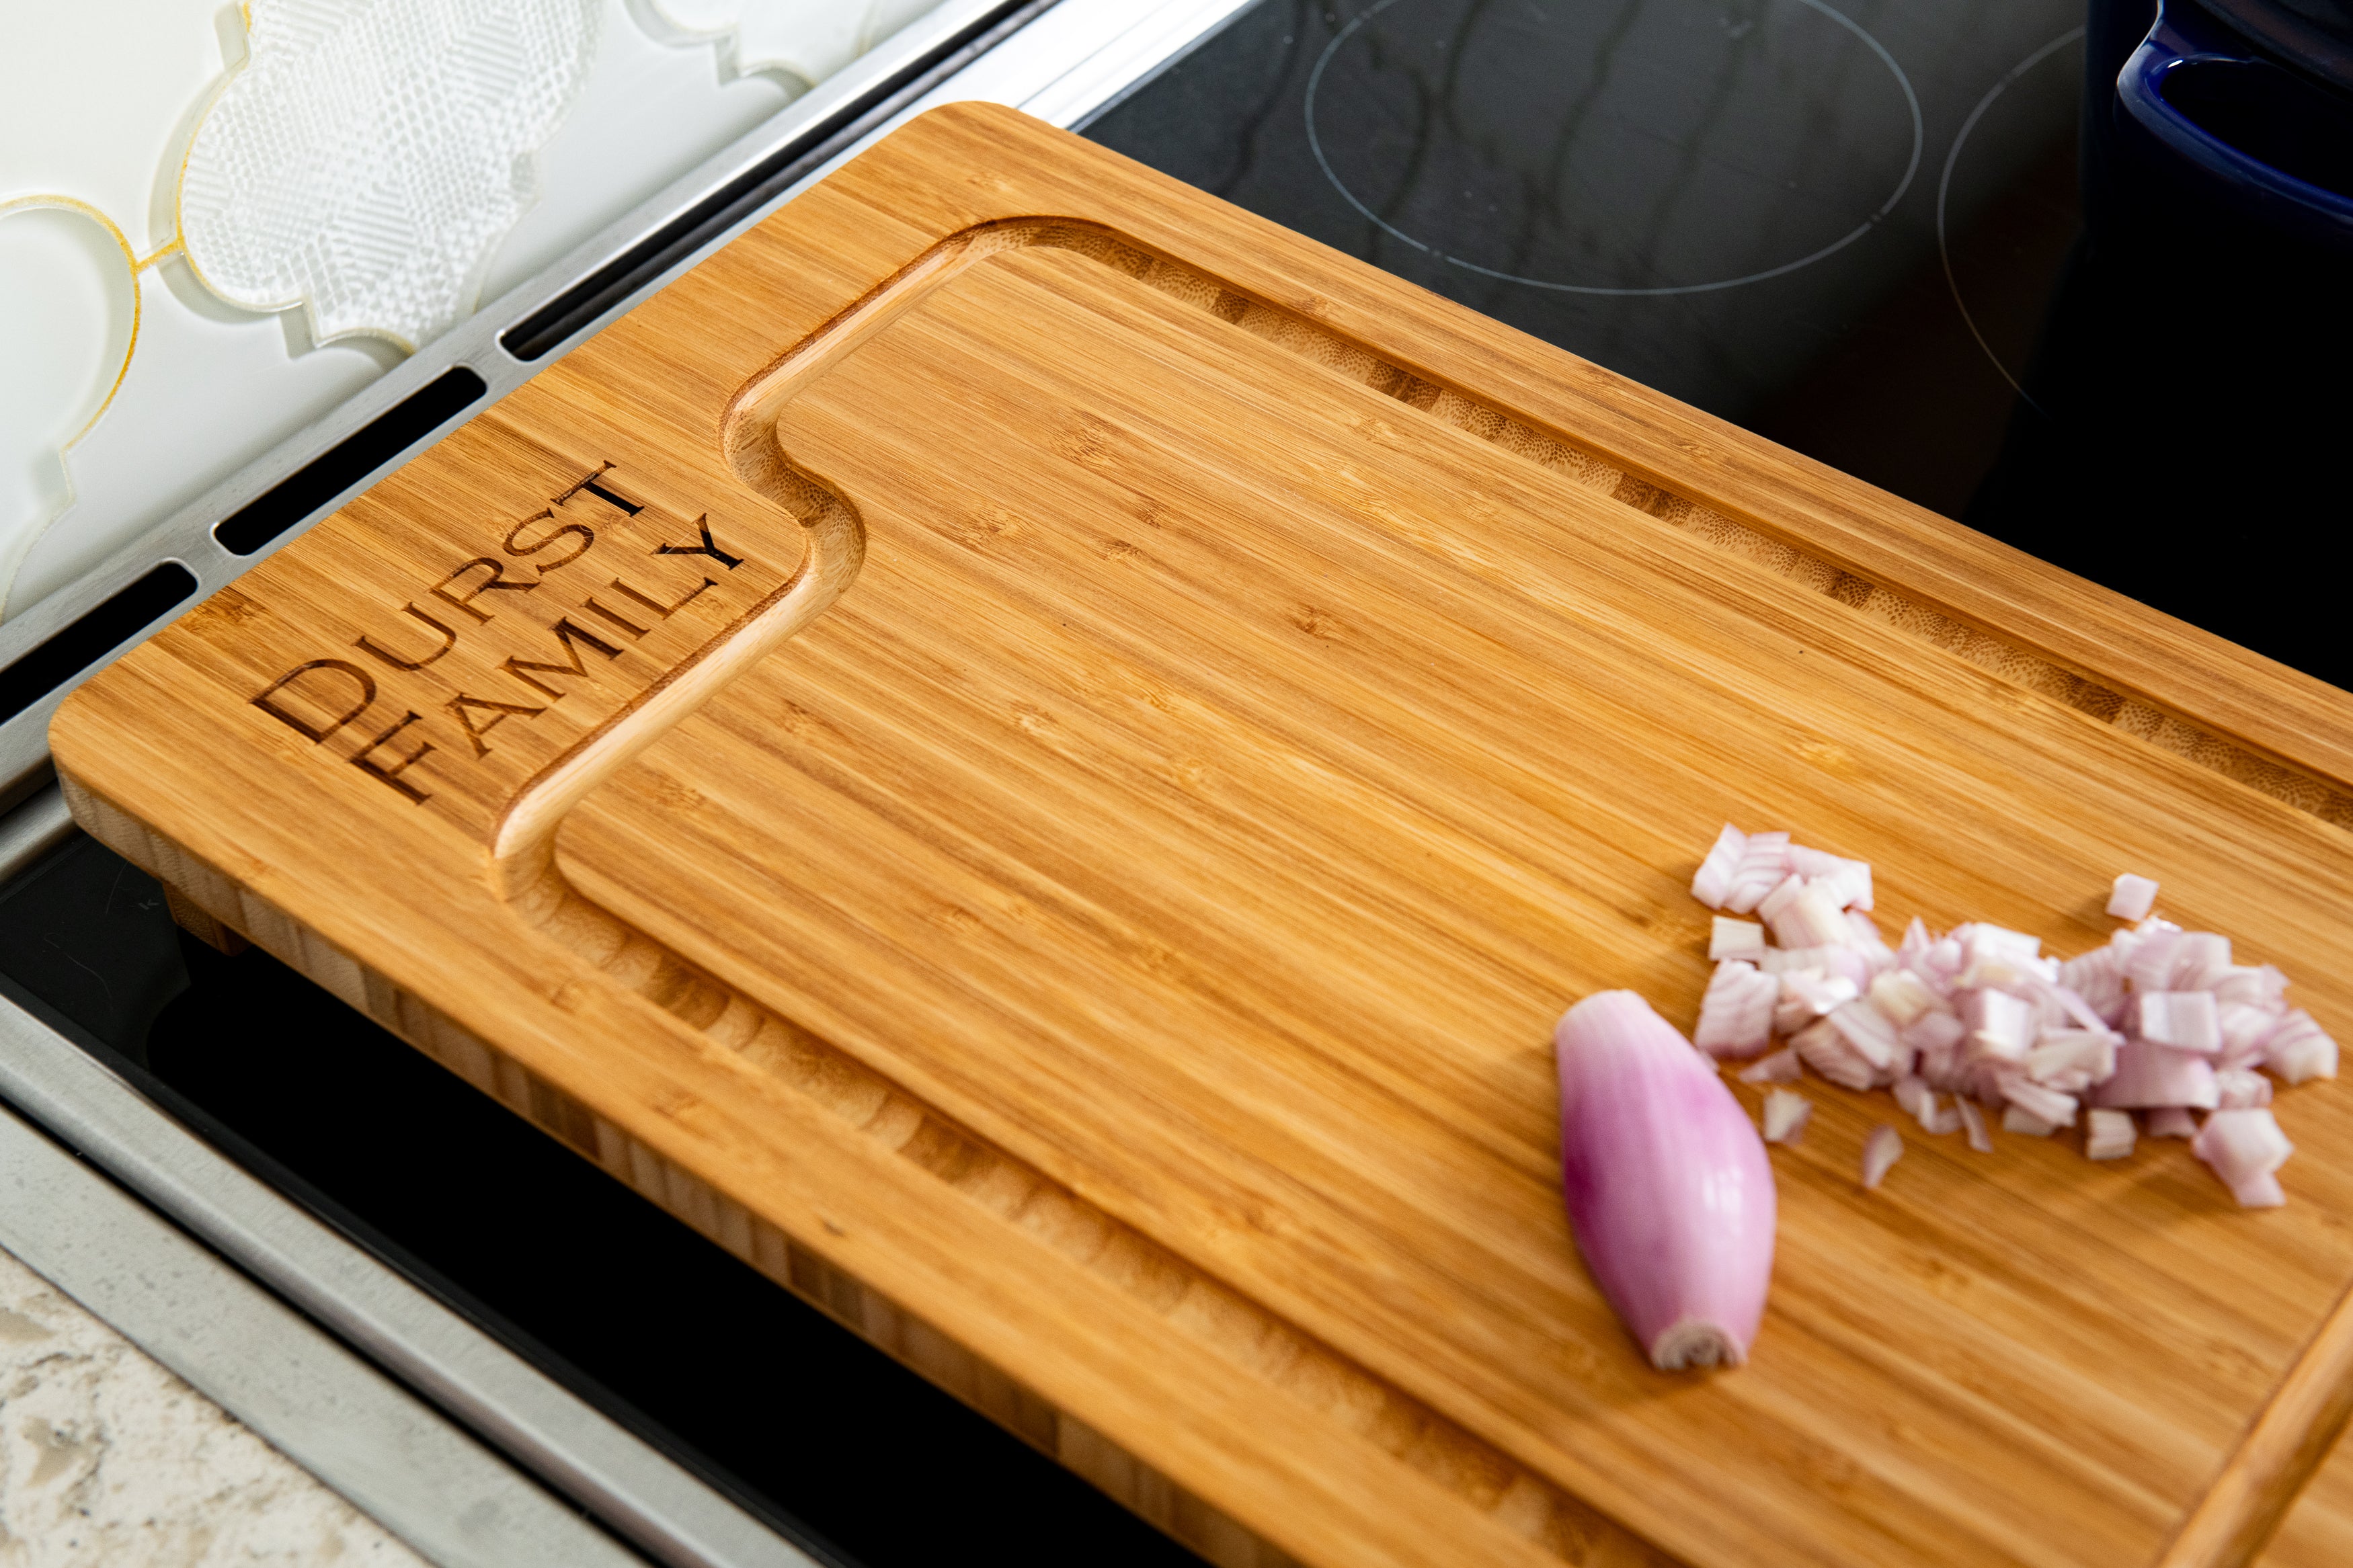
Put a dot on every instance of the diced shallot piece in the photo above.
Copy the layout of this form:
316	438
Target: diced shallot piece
1936	1037
2247	1029
1912	952
1782	894
1880	1150
2170	1121
2044	1104
1866	1028
1713	883
1912	1092
2185	1020
1809	994
1941	964
2108	1135
2072	1006
1731	938
1798	1005
2132	896
2001	1026
1862	937
1781	1066
2098	977
2201	961
1843	962
1736	1016
2150	965
1668	1190
2261	1192
1849	964
2025	1123
1852	878
1995	959
1939	1028
1786	1115
1764	863
1927	1107
1981	937
1821	1048
1809	916
2240	1089
2246	1148
1903	997
2301	1049
2071	1060
2257	985
1973	1123
2153	1074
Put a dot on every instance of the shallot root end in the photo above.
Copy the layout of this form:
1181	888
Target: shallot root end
1694	1342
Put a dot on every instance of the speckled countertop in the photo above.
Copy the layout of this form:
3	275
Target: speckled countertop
108	1459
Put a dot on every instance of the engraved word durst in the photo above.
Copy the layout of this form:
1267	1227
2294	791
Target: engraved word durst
322	697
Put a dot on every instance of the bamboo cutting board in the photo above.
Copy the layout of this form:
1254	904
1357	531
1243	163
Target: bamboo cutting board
1037	755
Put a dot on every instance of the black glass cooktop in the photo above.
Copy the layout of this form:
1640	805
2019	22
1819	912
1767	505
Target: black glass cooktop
1861	228
1833	221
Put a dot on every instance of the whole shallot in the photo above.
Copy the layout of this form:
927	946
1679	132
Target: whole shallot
1670	1194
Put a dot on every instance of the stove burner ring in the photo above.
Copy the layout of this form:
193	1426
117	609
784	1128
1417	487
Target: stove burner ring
1911	168
1945	187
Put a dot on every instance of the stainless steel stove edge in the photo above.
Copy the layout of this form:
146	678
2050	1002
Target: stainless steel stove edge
382	1416
329	1355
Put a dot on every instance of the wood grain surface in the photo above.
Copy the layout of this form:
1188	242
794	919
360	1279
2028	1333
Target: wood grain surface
1037	755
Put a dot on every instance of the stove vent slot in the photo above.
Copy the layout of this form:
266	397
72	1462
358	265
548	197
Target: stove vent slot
86	641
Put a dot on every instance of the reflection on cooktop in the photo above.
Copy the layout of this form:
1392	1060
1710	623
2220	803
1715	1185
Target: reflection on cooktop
1645	152
1739	202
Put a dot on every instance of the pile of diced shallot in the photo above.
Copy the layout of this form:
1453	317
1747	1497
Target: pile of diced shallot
1977	1022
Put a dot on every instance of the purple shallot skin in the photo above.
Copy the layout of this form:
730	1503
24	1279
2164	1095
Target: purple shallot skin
1670	1192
